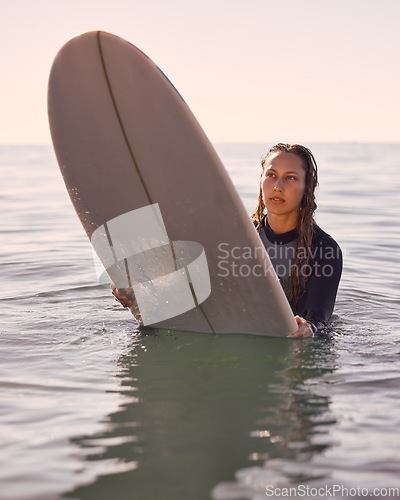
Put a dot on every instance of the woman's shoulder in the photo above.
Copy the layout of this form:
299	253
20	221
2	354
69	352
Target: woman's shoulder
324	240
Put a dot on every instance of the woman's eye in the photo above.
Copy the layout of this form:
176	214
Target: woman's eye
291	178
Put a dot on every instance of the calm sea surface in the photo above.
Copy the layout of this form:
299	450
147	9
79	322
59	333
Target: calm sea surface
89	409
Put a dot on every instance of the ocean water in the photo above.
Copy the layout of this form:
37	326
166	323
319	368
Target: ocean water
90	409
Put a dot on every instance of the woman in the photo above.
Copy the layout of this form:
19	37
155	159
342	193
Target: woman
307	261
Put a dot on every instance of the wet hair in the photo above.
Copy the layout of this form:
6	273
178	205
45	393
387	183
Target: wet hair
305	224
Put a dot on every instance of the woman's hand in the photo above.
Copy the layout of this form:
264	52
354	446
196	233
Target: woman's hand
122	299
129	302
304	329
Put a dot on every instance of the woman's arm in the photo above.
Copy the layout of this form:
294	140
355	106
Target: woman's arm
321	290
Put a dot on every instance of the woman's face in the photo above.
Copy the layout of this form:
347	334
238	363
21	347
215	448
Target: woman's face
283	183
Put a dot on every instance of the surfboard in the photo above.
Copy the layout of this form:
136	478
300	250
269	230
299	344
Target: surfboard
153	196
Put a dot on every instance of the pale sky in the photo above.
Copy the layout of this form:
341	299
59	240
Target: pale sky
250	70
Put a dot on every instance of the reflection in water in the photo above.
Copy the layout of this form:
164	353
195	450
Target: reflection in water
294	431
198	409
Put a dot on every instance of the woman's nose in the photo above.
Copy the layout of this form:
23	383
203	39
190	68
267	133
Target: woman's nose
278	186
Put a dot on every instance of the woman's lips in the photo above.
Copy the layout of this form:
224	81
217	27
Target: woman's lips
277	199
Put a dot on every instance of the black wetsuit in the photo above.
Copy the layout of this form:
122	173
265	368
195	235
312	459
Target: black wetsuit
323	273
